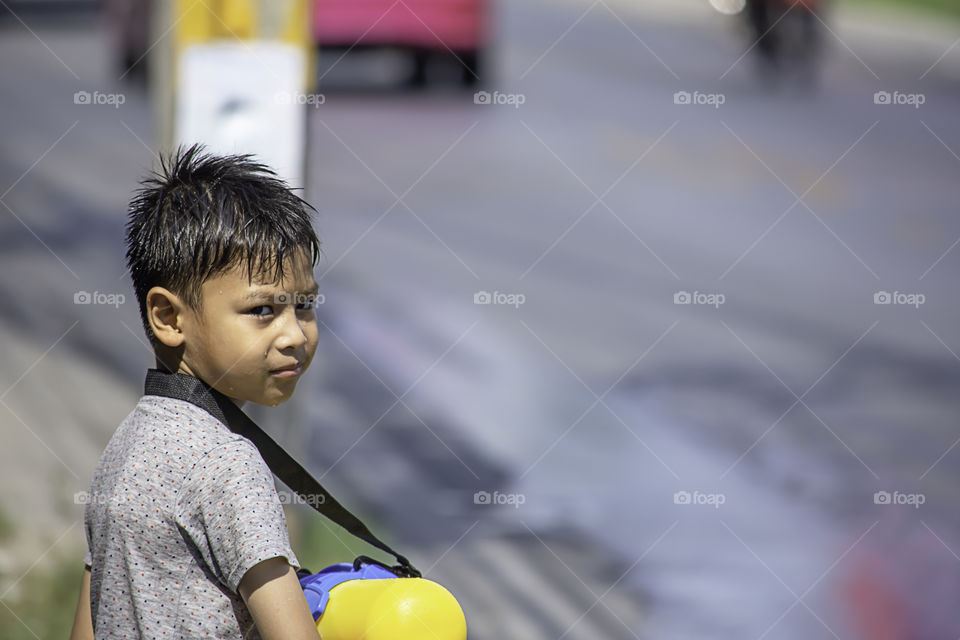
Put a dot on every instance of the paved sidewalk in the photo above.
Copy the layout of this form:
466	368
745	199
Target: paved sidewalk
57	410
538	588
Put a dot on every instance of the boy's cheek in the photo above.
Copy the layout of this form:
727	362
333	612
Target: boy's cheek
311	350
313	339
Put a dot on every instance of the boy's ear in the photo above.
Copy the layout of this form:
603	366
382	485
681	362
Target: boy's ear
165	312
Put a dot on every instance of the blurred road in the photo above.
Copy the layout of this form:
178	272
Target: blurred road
597	401
600	198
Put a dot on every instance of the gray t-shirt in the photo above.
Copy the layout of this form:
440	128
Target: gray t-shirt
180	508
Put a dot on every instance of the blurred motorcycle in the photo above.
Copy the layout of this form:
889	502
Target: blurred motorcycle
786	39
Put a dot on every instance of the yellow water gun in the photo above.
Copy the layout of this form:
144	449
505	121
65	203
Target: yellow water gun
368	601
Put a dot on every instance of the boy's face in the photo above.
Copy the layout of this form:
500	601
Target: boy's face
253	341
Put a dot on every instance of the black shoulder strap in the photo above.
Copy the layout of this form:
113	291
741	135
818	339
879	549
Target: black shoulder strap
195	391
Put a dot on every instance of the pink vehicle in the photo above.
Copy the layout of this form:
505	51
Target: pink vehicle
425	27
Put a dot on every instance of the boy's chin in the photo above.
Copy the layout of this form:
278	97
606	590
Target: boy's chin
273	397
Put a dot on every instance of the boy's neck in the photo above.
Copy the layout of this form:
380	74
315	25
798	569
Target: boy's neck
186	370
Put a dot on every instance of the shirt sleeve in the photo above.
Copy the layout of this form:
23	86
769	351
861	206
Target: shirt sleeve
230	510
88	560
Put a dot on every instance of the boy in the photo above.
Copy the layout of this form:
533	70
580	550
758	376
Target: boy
185	531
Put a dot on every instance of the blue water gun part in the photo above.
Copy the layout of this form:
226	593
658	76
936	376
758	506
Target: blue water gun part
317	586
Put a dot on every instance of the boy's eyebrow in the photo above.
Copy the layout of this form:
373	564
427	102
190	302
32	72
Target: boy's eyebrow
259	295
270	294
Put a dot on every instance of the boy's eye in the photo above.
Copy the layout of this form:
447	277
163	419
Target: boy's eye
262	310
307	304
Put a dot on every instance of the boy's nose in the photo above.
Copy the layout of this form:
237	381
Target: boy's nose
292	334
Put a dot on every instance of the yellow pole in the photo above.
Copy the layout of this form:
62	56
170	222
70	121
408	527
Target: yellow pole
177	24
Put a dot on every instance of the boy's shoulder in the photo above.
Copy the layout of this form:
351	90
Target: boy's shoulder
168	432
180	421
175	452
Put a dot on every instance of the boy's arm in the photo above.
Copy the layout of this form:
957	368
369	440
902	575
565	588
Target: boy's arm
82	621
275	599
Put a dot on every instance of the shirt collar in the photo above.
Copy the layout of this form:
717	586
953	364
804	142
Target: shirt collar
183	386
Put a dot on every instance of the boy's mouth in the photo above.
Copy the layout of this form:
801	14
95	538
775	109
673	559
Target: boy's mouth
288	371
